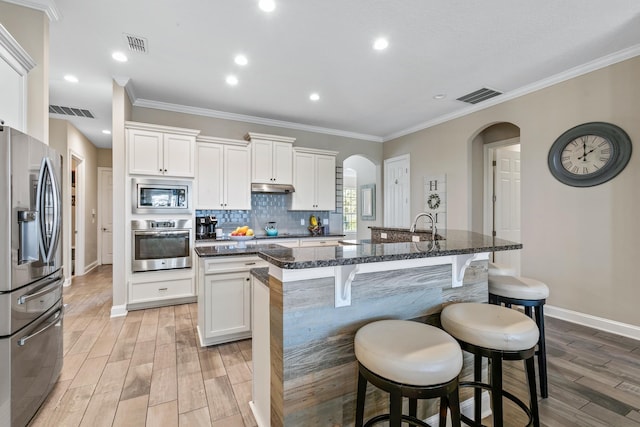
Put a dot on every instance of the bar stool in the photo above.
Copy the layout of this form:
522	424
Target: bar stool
408	359
497	333
496	269
532	295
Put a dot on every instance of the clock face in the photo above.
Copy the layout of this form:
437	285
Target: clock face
586	154
589	154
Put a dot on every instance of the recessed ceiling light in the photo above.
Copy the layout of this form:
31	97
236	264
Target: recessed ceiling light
232	80
71	79
380	43
267	5
440	96
241	60
119	56
106	132
314	97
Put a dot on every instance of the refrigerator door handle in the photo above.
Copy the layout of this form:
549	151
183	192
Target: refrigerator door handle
27	236
57	316
48	207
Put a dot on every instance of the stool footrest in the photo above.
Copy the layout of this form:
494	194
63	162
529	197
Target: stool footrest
386	417
506	394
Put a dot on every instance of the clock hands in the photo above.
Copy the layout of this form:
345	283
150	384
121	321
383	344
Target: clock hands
584	156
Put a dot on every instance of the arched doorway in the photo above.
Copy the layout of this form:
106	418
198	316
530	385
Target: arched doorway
360	176
496	187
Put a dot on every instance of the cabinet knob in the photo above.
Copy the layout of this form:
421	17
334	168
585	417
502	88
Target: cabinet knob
160	170
247	279
165	170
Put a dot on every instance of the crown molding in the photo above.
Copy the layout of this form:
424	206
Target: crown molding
14	54
597	64
177	108
47	6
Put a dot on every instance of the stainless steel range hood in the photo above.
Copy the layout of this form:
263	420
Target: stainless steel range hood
272	188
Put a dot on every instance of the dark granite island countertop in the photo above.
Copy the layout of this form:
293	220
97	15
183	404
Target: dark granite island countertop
306	314
457	242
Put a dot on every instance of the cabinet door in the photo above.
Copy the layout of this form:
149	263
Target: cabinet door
325	183
303	199
237	179
262	161
282	163
145	152
179	155
209	178
227	304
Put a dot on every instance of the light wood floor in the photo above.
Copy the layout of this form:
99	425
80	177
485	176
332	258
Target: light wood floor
147	369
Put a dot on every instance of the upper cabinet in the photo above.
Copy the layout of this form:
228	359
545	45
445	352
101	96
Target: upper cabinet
314	178
271	158
161	150
222	174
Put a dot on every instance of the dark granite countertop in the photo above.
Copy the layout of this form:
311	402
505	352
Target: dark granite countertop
279	236
262	274
457	242
232	250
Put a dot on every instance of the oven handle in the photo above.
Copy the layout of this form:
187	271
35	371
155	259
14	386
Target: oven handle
28	297
158	233
58	314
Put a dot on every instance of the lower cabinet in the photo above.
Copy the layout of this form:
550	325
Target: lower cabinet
224	298
152	289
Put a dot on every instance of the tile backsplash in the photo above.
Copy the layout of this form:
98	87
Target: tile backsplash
272	207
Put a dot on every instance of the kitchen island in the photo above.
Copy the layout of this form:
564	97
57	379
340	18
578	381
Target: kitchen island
307	309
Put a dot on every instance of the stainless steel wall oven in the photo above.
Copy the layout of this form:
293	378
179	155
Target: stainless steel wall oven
160	244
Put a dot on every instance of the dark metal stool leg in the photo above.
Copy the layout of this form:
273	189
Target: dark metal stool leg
362	394
395	409
496	389
454	407
477	393
444	406
413	409
542	352
531	380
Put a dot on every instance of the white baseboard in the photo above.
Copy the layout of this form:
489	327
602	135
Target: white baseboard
600	323
90	267
67	282
259	421
466	408
119	310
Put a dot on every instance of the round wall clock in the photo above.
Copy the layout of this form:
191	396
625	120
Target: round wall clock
589	154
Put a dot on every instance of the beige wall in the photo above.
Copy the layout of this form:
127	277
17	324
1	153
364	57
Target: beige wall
104	158
30	28
65	138
583	242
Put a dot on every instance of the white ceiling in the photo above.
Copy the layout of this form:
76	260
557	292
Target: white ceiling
435	47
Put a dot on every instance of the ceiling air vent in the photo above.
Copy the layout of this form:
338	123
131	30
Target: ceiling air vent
69	111
479	95
136	43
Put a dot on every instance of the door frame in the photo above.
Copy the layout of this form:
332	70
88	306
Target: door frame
101	169
489	181
80	212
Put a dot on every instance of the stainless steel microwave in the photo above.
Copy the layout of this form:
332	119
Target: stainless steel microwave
157	196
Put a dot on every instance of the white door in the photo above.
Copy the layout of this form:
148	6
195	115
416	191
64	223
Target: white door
507	203
106	215
397	202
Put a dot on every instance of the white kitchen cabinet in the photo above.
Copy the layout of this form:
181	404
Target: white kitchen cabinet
222	174
155	289
314	178
320	241
271	158
161	150
224	298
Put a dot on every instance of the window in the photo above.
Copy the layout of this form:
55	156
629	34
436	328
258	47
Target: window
350	209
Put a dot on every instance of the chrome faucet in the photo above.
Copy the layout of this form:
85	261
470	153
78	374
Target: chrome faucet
434	230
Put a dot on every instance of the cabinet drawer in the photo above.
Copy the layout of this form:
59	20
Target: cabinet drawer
161	290
231	264
320	242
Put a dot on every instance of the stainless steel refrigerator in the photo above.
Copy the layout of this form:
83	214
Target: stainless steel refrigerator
31	278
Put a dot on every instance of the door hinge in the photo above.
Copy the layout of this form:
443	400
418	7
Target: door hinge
493	233
495	163
494	198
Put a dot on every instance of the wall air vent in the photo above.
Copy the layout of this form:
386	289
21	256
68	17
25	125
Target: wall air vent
479	95
69	111
137	44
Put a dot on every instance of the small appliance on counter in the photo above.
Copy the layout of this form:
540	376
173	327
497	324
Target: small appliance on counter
271	229
213	223
206	227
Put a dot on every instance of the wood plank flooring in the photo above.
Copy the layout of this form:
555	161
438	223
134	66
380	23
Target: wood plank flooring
147	369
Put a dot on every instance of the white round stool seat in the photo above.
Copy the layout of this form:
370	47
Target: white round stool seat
518	287
408	352
496	269
490	326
